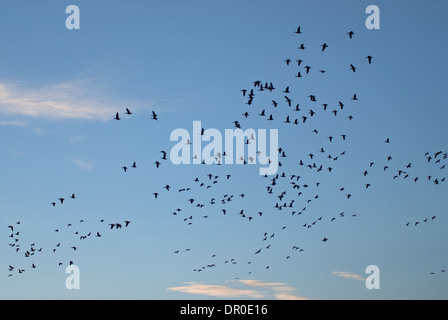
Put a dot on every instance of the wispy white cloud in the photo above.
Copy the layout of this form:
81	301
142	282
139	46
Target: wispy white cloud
289	296
14	123
215	290
259	283
69	100
348	275
281	291
252	289
84	165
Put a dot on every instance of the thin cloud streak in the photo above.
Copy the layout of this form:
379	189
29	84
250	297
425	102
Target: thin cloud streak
69	100
281	291
259	283
348	275
216	291
257	289
14	123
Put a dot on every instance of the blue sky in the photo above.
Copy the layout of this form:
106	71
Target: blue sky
60	90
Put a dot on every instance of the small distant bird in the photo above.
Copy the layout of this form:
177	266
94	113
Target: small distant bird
352	67
324	46
324	239
350	34
369	59
117	116
73	196
298	30
154	116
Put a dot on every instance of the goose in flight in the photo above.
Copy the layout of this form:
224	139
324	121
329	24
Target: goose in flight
117	116
128	111
154	116
350	34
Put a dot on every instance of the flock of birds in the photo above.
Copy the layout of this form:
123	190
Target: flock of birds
292	192
32	251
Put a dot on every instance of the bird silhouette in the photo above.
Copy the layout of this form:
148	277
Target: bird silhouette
154	116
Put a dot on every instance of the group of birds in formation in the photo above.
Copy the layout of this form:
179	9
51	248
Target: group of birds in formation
301	191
